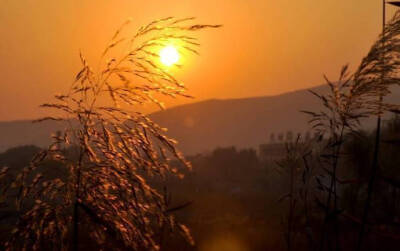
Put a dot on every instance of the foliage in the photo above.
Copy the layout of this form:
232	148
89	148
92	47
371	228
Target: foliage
116	146
351	99
297	165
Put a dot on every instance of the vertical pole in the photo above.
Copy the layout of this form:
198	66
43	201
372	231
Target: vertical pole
374	169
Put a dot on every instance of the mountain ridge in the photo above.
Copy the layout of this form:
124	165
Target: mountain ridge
207	124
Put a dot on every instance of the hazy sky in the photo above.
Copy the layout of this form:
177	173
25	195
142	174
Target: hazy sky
266	47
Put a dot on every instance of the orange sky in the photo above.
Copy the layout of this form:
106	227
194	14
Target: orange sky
266	47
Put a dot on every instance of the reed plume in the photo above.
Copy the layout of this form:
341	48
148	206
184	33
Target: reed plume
353	98
117	149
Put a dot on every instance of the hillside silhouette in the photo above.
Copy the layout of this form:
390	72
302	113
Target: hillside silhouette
203	126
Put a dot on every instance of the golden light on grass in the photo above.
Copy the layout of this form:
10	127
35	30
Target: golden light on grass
169	55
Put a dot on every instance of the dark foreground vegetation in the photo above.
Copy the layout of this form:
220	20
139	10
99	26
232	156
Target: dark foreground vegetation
113	180
109	151
236	200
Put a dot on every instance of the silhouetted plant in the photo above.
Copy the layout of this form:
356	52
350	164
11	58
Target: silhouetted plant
4	185
296	165
339	116
116	149
290	165
376	74
351	99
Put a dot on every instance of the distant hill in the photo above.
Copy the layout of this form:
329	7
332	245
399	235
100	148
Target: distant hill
239	122
205	125
24	132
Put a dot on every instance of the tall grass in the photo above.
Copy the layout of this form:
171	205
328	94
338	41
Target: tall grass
295	165
117	148
389	52
339	116
351	99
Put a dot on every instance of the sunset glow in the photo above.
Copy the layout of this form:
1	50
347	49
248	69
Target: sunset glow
266	44
169	55
232	125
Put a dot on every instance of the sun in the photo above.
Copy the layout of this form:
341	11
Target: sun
169	55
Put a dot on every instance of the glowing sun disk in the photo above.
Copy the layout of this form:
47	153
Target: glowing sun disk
169	55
